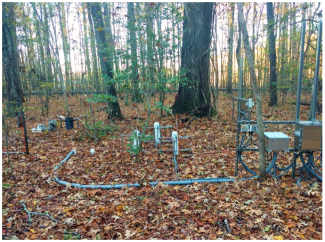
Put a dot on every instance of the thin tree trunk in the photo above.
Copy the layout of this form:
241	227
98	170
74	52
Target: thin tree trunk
230	48
134	59
63	26
141	47
260	126
150	38
272	55
93	51
48	61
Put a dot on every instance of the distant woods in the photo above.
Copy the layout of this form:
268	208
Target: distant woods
142	49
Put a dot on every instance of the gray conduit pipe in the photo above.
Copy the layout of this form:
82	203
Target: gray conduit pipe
308	168
244	165
119	186
268	169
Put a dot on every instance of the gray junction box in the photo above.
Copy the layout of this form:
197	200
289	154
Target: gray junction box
276	141
308	136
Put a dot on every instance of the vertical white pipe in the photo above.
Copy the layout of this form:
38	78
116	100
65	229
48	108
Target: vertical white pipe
157	133
175	142
136	142
250	103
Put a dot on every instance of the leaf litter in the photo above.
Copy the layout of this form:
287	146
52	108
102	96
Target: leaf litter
273	209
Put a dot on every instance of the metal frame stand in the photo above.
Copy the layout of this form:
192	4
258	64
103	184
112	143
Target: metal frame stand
309	166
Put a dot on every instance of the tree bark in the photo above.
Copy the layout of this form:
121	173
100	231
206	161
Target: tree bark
66	48
272	55
230	48
104	59
195	95
150	38
93	51
141	47
10	59
134	59
249	57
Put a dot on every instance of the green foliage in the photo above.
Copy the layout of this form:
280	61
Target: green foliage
109	81
97	98
69	236
100	129
167	109
5	185
142	137
46	85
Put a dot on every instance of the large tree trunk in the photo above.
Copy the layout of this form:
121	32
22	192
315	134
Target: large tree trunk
249	57
195	95
105	61
230	47
272	55
10	59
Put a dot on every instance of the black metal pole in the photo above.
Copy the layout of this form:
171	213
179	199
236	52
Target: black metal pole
313	105
301	63
25	132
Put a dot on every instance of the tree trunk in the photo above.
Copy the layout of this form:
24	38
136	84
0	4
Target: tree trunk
134	59
48	61
260	126
66	49
272	55
105	61
10	59
93	51
150	38
86	44
195	95
230	48
141	47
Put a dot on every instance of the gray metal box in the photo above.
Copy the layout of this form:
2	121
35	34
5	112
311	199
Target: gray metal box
276	141
248	128
308	136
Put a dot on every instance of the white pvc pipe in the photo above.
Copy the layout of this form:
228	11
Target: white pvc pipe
157	133
136	142
175	142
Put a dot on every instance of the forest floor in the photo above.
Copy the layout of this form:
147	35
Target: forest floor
272	209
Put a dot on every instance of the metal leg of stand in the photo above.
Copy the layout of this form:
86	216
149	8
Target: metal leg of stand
294	163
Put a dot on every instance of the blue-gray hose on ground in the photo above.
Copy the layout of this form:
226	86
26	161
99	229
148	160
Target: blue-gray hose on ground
119	186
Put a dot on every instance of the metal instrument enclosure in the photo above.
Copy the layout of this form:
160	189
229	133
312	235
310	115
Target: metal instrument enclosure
308	136
248	128
276	141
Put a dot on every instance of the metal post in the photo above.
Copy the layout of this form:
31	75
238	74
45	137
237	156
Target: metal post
294	164
240	95
240	83
22	114
301	63
313	105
